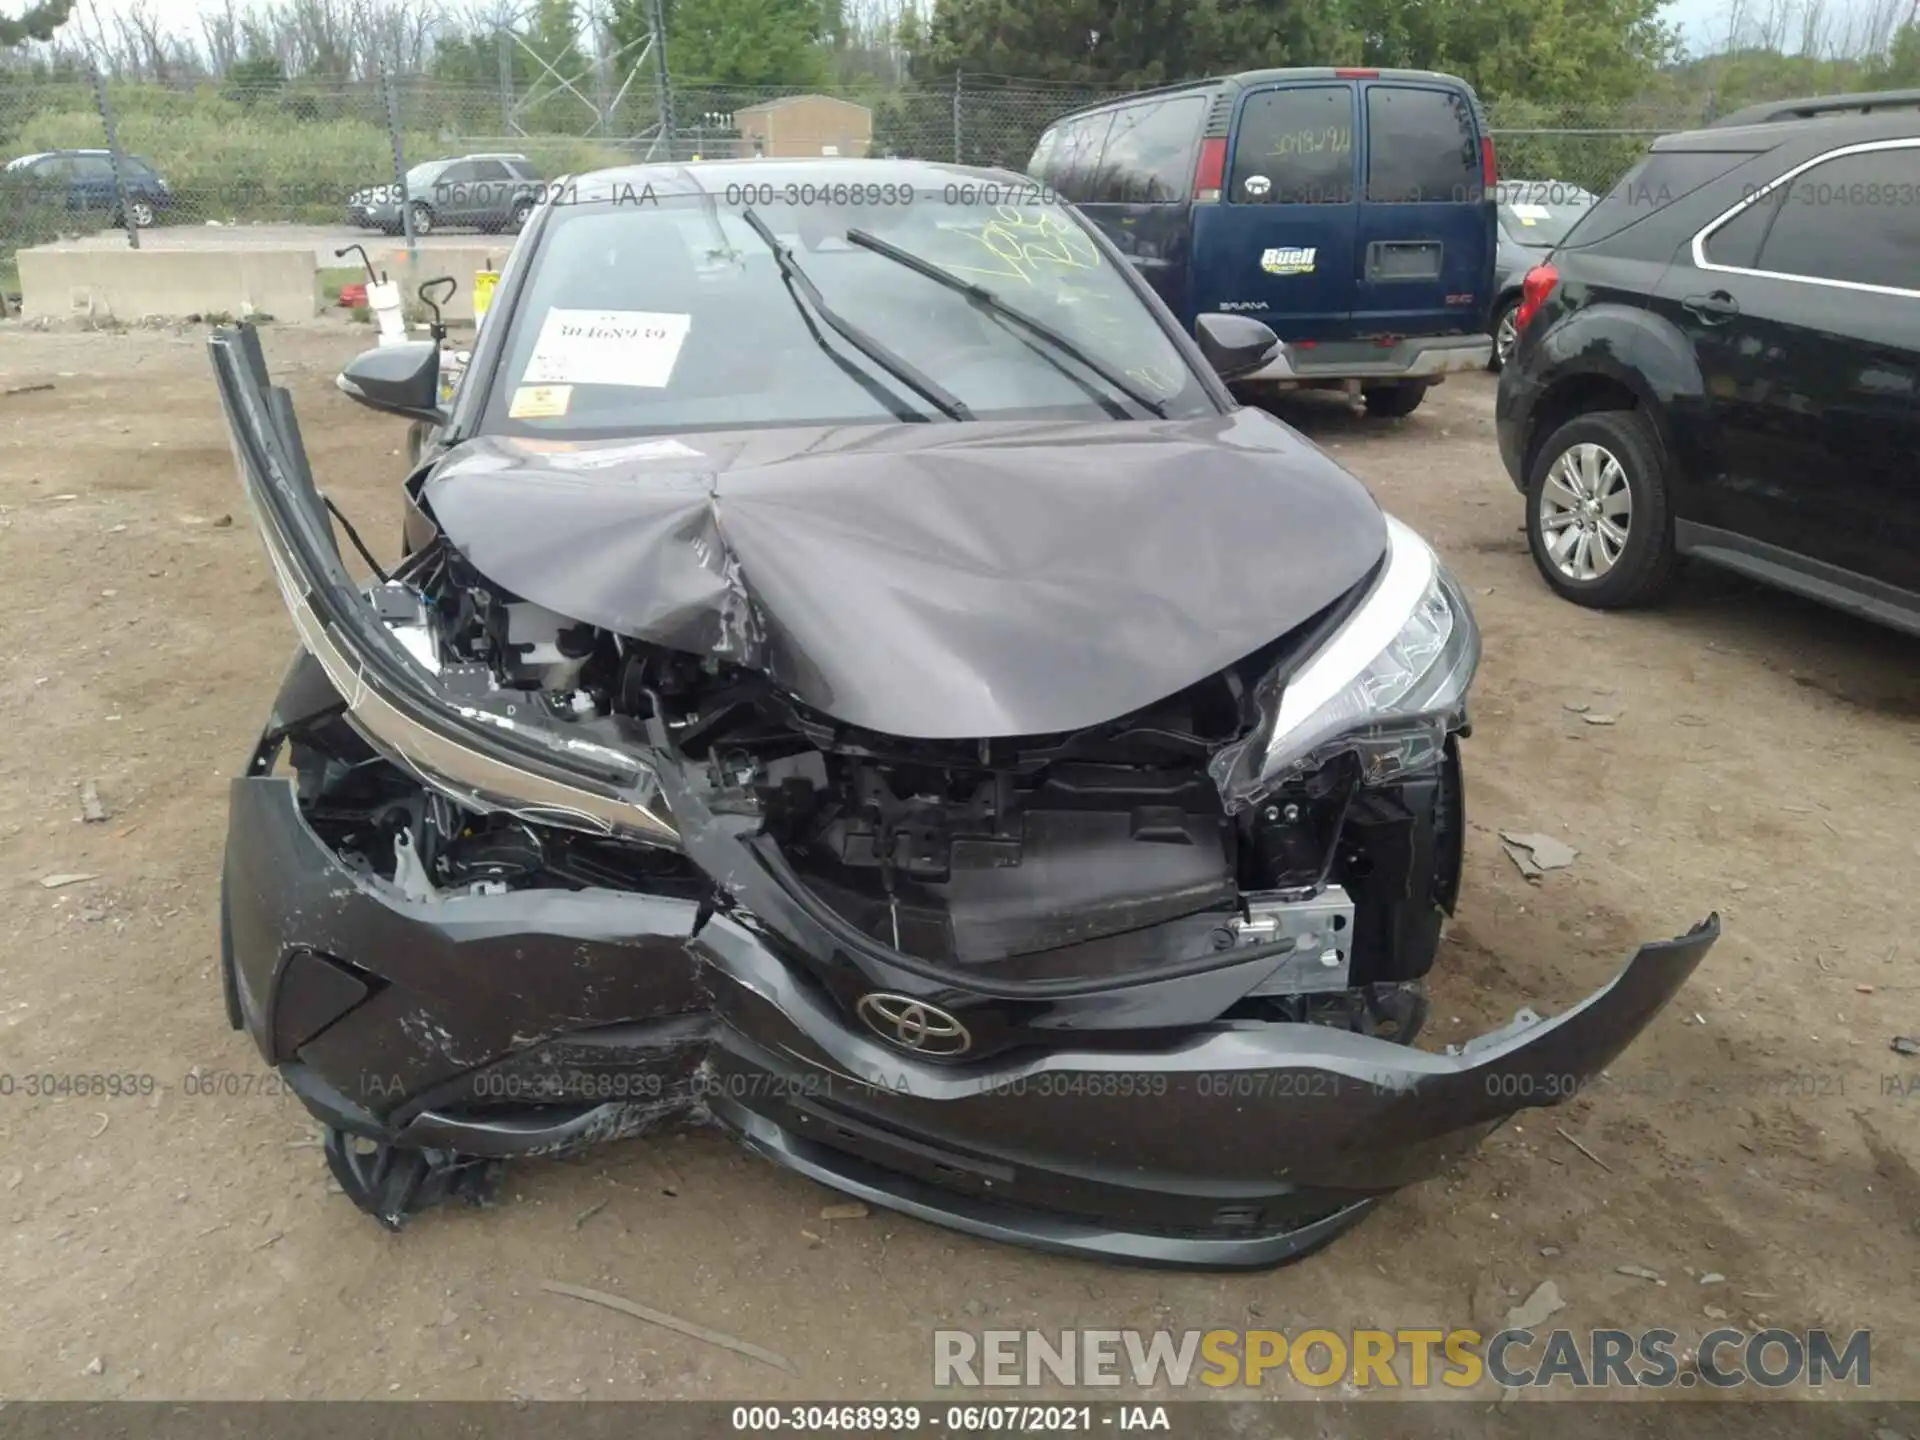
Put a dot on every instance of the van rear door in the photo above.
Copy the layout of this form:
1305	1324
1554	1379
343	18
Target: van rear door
1426	231
1280	244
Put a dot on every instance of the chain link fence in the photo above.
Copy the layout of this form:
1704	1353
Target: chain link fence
153	158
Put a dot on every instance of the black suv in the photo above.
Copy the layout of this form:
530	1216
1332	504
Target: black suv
1722	359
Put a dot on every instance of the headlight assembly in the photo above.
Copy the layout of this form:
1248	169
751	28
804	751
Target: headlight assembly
1387	687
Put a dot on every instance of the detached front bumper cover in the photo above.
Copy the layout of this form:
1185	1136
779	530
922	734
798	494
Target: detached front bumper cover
412	1026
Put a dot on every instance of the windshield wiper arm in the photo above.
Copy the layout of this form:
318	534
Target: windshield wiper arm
993	304
941	398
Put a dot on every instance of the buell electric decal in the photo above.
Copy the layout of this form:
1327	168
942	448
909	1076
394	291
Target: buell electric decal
1288	260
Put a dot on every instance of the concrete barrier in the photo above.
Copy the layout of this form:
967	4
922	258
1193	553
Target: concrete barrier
129	284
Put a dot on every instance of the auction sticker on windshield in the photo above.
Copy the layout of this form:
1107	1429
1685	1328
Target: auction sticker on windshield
540	402
636	348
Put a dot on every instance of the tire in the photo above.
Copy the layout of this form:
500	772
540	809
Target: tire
517	221
140	212
1618	573
422	218
1505	337
1391	402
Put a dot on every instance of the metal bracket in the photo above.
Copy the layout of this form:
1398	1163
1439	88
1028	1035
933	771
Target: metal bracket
1321	929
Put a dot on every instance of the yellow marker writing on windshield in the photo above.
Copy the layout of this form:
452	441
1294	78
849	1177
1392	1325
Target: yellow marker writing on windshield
1027	243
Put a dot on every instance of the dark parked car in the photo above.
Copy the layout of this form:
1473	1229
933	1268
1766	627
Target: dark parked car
477	192
1722	360
899	711
1349	210
83	181
1534	216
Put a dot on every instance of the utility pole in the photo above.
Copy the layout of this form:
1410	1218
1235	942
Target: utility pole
657	17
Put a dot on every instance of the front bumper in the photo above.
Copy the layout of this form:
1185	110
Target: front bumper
538	1022
1420	358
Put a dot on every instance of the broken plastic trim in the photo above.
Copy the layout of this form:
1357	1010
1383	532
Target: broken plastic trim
487	756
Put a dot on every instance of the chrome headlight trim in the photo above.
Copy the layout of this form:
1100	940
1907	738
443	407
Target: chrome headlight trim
479	753
1388	686
465	775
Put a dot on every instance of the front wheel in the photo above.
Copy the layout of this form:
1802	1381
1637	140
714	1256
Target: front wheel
518	220
1599	511
139	214
422	218
1390	402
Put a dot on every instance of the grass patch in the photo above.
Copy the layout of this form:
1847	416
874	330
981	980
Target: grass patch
334	278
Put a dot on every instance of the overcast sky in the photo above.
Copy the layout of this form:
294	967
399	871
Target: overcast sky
1698	19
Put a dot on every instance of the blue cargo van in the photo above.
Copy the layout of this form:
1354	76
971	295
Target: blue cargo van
1350	210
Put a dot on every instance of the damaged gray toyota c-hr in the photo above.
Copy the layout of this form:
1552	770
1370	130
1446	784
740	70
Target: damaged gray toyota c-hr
857	679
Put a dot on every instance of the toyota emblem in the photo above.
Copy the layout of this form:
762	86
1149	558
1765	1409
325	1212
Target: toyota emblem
913	1024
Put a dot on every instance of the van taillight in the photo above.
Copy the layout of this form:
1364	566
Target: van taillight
1211	172
1533	293
1489	172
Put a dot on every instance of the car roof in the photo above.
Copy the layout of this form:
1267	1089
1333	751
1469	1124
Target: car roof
711	177
1565	185
71	150
1761	127
1245	78
1821	107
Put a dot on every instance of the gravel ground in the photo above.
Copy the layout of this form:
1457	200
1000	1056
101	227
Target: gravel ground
1763	760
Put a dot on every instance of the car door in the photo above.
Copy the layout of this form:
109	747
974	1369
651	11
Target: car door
51	182
1280	245
1141	189
489	194
453	194
92	183
1425	227
1804	310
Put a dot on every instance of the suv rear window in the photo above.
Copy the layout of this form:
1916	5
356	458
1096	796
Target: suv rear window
1295	147
1650	186
1421	146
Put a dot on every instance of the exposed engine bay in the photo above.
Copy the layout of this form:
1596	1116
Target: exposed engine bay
1101	850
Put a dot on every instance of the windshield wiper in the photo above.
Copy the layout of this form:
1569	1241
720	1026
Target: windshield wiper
941	398
986	300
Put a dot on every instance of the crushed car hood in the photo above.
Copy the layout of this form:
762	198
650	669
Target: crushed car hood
930	581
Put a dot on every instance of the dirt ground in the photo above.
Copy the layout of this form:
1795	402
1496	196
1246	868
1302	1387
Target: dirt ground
1762	760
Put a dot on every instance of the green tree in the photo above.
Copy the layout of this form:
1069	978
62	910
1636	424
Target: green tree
1902	66
1598	50
739	42
38	23
556	35
748	42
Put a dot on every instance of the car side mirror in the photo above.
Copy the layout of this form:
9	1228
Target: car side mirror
401	379
1235	345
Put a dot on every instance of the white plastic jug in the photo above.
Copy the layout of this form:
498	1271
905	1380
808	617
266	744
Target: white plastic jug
384	297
